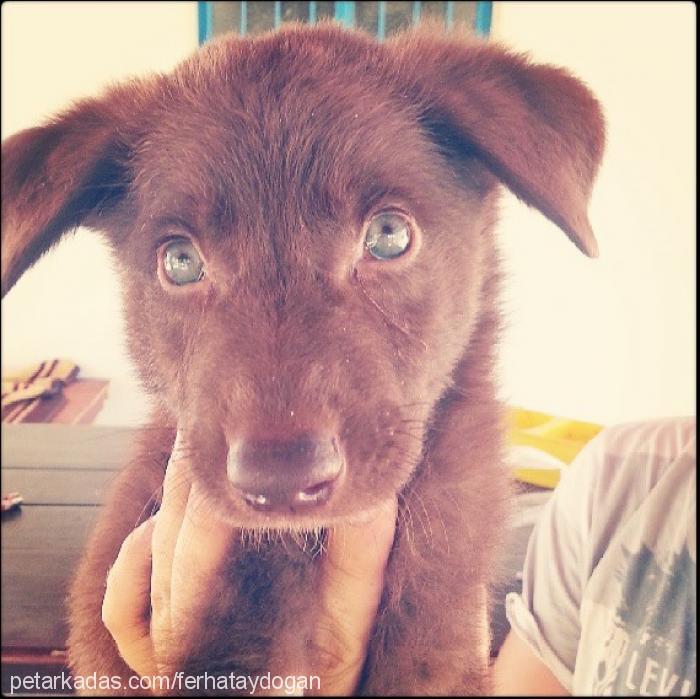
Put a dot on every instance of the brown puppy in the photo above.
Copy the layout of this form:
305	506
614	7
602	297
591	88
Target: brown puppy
304	227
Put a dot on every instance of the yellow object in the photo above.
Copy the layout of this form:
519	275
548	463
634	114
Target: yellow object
561	438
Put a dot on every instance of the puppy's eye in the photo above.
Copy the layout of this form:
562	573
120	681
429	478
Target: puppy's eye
388	235
182	263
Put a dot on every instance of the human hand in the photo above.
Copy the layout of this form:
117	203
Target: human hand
159	586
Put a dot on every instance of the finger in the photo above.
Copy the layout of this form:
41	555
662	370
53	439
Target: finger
201	550
127	600
351	588
177	480
176	487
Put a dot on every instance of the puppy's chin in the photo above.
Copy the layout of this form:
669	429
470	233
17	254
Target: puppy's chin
228	509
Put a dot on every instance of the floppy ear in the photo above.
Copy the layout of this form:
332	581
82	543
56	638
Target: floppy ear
56	177
537	128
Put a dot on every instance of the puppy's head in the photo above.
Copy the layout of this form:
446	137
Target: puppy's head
303	227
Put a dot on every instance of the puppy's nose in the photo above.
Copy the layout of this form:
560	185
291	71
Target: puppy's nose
285	475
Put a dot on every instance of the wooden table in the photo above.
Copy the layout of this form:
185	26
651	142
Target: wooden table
62	472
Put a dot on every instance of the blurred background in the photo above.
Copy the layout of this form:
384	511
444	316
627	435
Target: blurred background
607	341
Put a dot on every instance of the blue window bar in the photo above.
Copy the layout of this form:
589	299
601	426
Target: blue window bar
379	18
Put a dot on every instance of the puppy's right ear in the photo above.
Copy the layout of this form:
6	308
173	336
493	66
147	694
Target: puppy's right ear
58	176
536	127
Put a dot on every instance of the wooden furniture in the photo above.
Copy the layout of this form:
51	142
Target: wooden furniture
78	403
62	472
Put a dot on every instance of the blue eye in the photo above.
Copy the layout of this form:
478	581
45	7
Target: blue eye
388	235
182	263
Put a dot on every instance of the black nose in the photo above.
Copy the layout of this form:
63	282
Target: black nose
285	475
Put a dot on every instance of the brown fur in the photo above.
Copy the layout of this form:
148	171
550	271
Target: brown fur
271	152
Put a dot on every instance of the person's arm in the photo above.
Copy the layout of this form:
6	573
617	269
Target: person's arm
518	671
539	654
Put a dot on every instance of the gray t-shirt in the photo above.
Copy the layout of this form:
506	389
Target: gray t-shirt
609	580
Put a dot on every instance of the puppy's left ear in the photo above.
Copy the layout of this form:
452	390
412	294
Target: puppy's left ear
537	128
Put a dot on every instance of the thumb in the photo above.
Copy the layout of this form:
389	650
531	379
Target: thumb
126	604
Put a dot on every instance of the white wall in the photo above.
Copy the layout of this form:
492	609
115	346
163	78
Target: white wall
606	340
68	305
611	339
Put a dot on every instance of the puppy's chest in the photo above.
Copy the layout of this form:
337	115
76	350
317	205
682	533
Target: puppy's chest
264	605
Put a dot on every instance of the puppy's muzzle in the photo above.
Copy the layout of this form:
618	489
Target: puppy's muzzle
293	475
